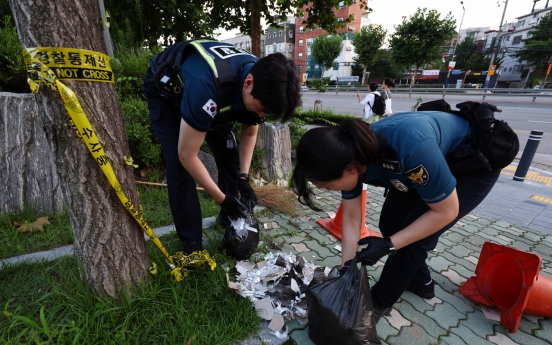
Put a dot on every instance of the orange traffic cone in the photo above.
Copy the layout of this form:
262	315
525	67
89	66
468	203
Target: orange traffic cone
508	279
333	225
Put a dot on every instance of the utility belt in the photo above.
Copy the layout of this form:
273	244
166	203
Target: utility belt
493	144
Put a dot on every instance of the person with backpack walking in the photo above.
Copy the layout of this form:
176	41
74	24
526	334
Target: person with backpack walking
196	91
372	99
386	96
408	155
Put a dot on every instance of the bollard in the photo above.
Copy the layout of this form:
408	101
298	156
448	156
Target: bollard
527	155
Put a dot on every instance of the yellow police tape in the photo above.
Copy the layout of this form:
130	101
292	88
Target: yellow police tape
48	65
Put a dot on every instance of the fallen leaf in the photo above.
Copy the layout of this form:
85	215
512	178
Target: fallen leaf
37	225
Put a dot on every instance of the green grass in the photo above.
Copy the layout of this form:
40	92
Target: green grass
57	234
154	200
46	303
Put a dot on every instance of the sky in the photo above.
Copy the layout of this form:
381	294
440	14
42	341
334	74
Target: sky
479	13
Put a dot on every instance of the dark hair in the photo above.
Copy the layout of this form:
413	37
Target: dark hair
373	86
323	154
276	85
389	82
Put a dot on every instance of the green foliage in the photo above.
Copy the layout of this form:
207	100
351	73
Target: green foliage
418	40
13	75
297	128
367	44
319	84
384	67
477	62
48	303
325	117
175	20
144	147
57	234
464	51
538	47
325	49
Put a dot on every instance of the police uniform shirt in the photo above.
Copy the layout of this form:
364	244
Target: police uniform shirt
199	100
421	141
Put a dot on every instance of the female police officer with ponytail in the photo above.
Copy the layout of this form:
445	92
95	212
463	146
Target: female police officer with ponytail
405	154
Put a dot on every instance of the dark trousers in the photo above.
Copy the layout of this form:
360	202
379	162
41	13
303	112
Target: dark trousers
399	210
165	118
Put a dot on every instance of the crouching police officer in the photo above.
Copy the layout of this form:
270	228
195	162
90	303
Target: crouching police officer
196	91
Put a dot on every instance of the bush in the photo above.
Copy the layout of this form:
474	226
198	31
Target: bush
13	75
144	146
325	117
130	66
296	130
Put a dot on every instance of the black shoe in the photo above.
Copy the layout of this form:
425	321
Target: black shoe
424	291
190	247
380	311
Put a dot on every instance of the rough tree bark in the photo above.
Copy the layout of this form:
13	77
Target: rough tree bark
275	142
108	241
27	170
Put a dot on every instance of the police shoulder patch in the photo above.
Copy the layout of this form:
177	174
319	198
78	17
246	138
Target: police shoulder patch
418	175
210	107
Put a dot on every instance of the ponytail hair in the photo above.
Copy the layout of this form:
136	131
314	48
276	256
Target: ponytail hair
389	82
323	154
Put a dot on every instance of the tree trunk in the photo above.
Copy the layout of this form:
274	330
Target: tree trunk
108	241
364	75
275	142
256	28
27	167
413	77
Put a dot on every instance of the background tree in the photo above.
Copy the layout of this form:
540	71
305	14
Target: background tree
418	40
325	49
367	43
464	51
173	20
478	62
108	242
384	67
13	75
537	50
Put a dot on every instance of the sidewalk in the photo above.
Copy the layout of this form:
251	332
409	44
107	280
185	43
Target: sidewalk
515	214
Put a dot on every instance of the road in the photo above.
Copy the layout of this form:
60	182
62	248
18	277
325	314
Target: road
521	114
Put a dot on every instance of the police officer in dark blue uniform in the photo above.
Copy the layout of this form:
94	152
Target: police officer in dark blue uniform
196	91
406	154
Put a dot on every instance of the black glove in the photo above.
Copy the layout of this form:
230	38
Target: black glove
247	193
485	112
377	248
234	208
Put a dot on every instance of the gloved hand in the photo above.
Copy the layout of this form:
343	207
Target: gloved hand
247	193
377	248
468	106
485	112
234	208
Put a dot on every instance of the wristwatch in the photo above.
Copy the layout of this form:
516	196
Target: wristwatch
246	176
392	251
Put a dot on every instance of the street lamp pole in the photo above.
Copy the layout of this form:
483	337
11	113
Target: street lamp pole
486	84
456	45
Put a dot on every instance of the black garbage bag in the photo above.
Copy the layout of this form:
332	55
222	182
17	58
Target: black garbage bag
241	236
340	308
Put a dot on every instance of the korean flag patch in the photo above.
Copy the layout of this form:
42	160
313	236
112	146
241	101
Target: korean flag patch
419	175
210	107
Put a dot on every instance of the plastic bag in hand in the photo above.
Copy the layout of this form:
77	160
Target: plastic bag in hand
340	308
241	236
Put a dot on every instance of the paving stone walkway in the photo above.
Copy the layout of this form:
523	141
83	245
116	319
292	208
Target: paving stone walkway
449	318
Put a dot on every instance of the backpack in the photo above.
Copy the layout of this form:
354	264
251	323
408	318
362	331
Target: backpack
379	105
493	144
